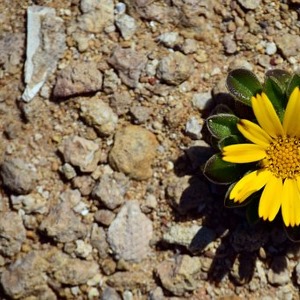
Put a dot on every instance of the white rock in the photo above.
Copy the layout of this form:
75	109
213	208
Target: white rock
200	100
193	128
83	249
45	45
169	39
271	48
126	25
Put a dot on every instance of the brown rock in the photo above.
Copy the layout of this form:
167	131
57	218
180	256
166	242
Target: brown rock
133	152
129	65
12	233
175	68
78	78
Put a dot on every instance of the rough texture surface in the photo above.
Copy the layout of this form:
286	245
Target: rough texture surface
133	152
101	190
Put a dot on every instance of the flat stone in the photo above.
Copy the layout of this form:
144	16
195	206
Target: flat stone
127	26
110	190
178	276
99	115
133	152
18	176
12	233
250	4
98	241
81	153
288	39
130	233
78	78
129	65
181	235
45	46
63	225
16	282
175	68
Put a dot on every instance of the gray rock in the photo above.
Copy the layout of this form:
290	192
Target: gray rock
12	233
127	26
32	203
110	294
96	15
19	177
229	44
278	273
130	233
104	216
129	65
71	271
120	102
98	241
169	39
250	4
16	282
288	39
81	153
201	100
78	78
175	68
178	276
271	48
84	184
45	46
99	115
68	171
11	51
157	294
111	81
63	225
181	235
111	189
193	128
133	152
141	114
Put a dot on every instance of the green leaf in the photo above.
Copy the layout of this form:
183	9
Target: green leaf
243	84
222	125
230	140
293	233
281	77
276	93
294	82
222	172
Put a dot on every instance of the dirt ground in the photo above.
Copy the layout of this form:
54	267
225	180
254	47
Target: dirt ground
102	195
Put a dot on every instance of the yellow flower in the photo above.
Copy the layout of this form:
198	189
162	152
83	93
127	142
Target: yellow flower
276	148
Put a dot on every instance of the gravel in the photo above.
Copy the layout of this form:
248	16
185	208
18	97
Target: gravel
101	192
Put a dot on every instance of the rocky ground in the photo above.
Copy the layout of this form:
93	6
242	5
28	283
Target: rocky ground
102	195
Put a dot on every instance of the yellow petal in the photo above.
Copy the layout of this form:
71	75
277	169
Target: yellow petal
290	207
266	115
243	153
270	200
254	133
249	184
291	123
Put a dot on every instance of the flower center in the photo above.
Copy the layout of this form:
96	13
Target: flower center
283	157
